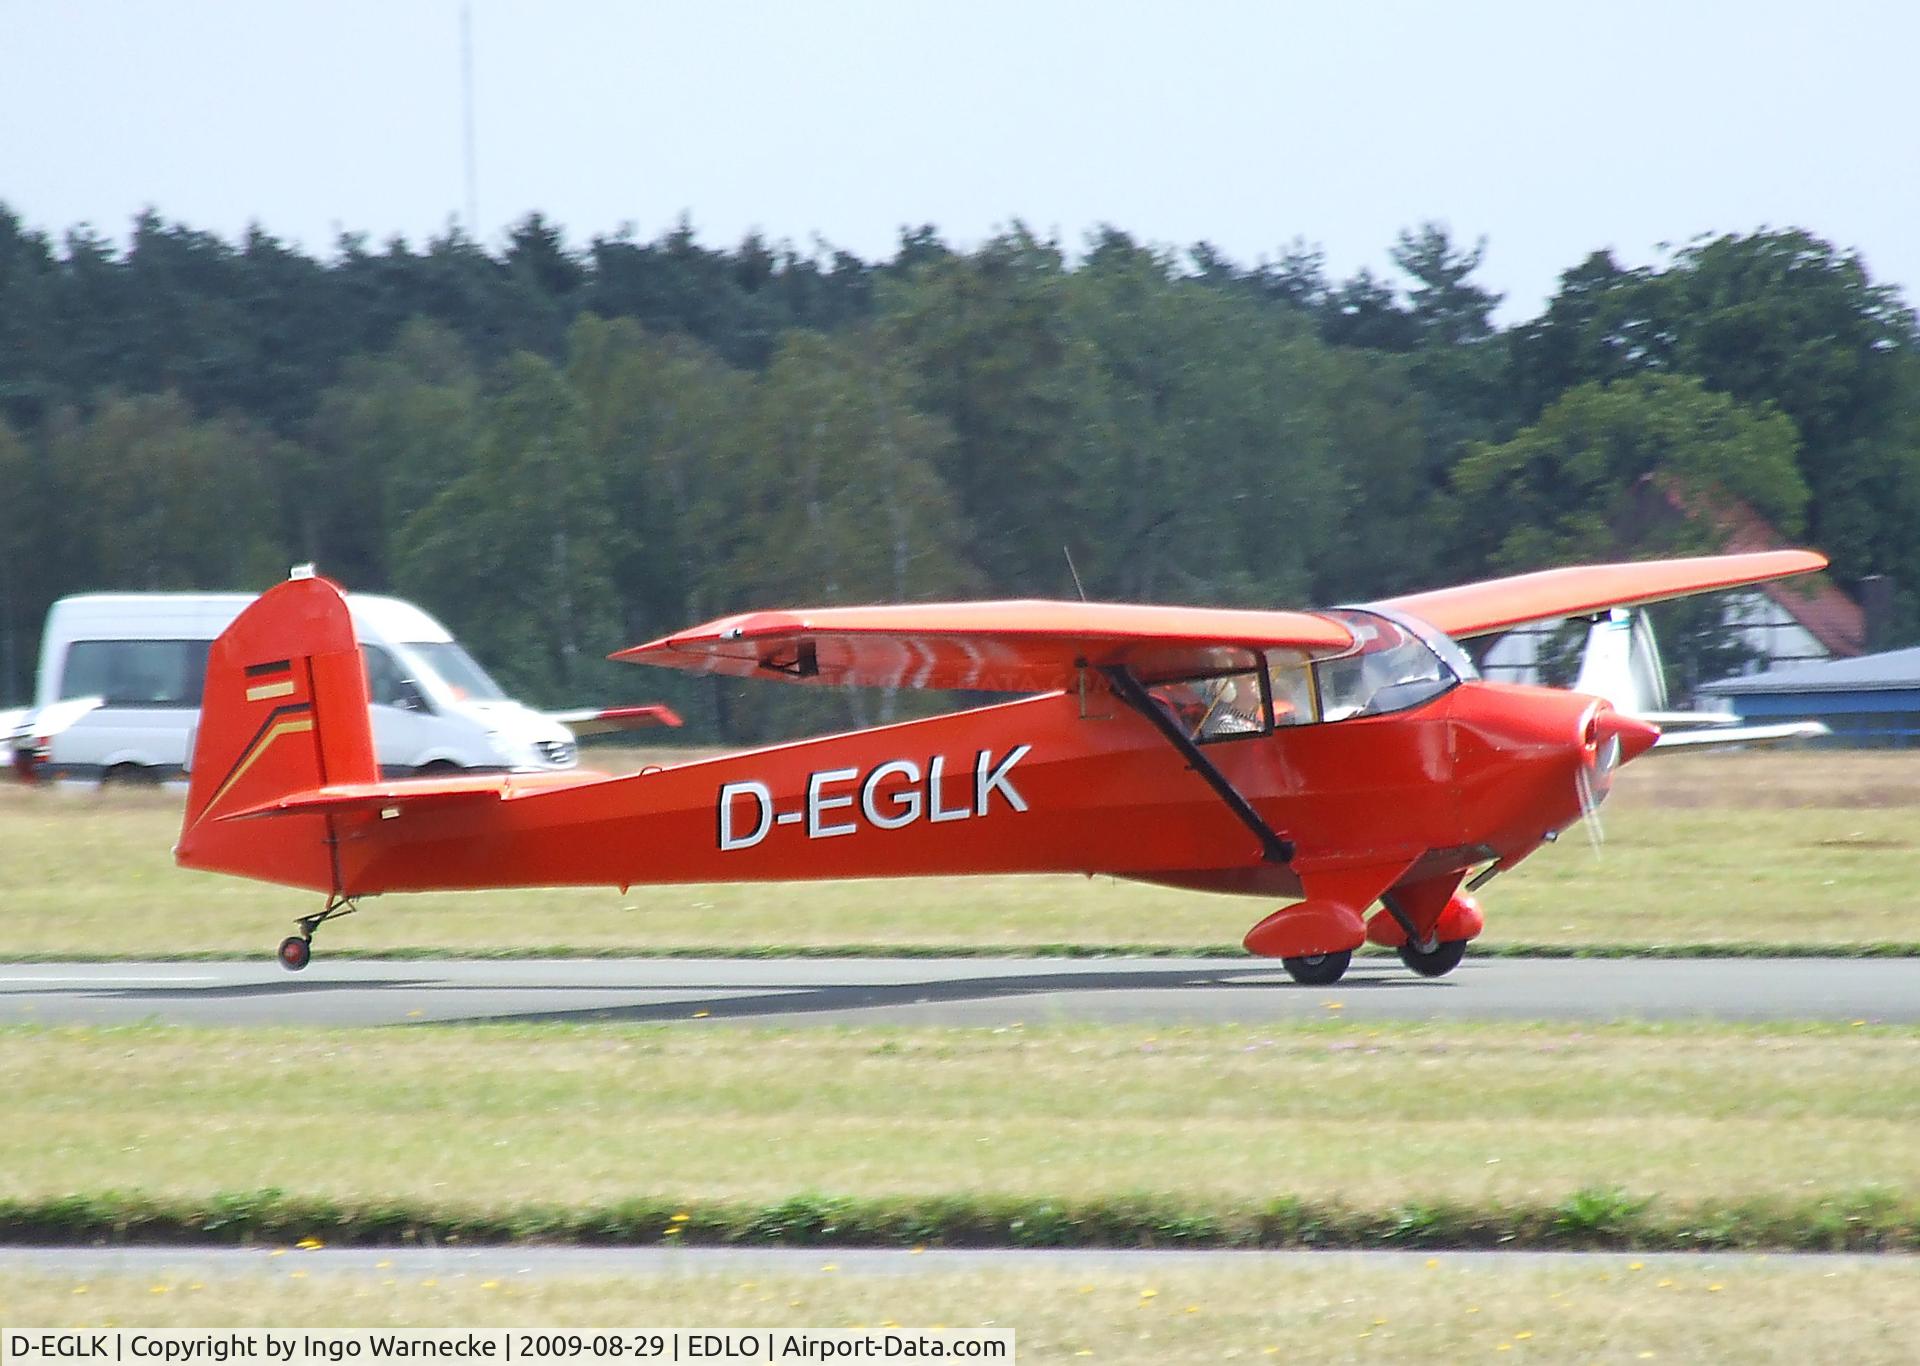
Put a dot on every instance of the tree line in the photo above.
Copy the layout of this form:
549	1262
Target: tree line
561	450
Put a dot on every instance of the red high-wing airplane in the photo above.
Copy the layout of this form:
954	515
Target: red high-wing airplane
1336	758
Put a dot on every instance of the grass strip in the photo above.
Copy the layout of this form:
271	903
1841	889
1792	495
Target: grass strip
1585	1220
758	952
509	1117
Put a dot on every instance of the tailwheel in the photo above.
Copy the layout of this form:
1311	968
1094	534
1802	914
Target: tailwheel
1437	960
1318	969
296	950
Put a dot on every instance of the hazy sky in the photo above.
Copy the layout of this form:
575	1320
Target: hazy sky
1552	129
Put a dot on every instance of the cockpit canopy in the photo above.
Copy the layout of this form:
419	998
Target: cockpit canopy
1396	662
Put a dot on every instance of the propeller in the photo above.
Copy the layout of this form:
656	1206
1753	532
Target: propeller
1591	781
1608	739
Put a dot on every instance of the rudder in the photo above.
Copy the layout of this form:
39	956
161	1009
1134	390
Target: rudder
283	710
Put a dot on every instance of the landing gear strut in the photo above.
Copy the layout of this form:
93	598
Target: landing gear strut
296	950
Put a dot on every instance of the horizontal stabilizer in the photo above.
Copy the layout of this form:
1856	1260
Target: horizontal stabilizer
1687	720
410	794
1029	645
1477	609
609	720
1723	736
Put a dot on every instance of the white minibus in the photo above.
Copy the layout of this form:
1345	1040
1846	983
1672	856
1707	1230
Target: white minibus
144	656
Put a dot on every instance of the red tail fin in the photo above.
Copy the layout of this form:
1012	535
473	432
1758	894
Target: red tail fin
284	710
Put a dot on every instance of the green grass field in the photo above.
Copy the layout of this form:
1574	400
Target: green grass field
1222	1119
1816	848
1442	1309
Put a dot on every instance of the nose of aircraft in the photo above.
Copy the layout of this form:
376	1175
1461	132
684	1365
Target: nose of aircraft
1529	762
1607	740
1629	735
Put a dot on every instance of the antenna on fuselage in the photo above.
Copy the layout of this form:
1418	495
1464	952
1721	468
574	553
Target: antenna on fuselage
1078	587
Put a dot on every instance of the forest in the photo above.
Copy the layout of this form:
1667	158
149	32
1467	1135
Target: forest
560	449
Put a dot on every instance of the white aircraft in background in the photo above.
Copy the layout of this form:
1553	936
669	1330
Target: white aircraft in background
1621	663
25	732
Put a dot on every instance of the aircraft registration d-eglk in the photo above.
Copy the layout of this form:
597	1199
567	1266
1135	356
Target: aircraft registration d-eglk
1339	759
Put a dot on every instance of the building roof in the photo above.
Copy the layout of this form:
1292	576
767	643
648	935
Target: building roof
1827	614
1892	669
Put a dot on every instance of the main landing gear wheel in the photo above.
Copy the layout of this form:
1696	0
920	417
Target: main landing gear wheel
295	952
1318	969
1437	961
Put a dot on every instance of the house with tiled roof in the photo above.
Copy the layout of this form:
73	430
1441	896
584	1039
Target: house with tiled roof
1783	624
1787	621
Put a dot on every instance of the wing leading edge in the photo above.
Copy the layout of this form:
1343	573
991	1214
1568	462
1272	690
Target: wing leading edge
1030	645
1477	609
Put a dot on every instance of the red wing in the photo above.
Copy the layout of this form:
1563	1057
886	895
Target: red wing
1475	609
1023	646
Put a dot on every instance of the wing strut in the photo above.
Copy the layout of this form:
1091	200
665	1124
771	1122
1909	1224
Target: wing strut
1277	848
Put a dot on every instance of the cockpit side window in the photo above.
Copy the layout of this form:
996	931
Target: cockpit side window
1390	668
1290	683
1230	706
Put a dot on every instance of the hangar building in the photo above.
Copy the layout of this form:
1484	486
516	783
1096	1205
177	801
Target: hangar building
1871	700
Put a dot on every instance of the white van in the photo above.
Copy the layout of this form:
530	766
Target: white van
144	655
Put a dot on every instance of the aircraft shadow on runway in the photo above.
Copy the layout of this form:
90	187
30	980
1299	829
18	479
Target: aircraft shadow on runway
226	991
759	1000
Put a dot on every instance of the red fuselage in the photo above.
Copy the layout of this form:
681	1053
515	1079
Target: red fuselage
1483	771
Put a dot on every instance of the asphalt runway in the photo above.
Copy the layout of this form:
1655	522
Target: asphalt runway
949	991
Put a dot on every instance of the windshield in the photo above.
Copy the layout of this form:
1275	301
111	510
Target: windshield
1443	644
1390	669
462	674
